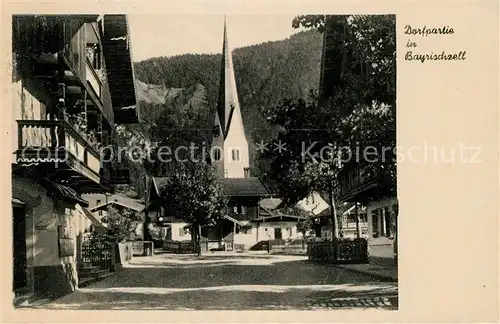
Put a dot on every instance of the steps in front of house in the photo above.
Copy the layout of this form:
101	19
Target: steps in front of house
88	274
85	281
259	246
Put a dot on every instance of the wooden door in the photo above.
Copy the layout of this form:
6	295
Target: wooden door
277	234
19	247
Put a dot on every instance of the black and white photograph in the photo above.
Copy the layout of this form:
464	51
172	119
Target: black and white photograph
208	162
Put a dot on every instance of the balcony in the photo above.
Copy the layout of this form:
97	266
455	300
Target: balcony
355	185
58	147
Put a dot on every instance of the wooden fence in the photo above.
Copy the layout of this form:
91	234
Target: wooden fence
97	252
294	244
180	247
341	251
212	245
142	248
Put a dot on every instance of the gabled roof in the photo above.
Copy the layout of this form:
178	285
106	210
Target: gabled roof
245	187
100	227
341	210
270	203
126	203
277	218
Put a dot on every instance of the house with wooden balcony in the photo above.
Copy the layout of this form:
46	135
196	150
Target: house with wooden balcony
237	226
358	184
72	83
374	192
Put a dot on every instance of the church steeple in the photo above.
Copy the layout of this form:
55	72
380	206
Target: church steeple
229	139
228	106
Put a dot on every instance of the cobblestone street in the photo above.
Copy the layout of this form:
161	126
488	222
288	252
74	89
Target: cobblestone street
230	282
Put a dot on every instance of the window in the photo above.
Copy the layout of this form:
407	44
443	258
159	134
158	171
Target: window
217	154
98	202
236	155
243	210
235	209
243	229
93	55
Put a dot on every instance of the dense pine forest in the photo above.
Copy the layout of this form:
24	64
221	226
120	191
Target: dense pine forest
178	95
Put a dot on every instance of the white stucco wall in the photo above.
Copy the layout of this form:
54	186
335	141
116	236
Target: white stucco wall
218	144
24	106
236	140
265	231
176	229
42	238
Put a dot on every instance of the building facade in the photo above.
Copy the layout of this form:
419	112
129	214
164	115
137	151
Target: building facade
72	82
376	193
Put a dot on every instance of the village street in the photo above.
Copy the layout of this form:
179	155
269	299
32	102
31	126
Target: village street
230	282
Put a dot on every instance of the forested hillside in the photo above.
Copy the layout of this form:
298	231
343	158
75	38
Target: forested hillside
178	94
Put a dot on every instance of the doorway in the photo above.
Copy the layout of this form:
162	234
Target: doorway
19	247
277	234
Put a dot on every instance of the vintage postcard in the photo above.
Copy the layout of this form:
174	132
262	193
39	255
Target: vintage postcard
299	162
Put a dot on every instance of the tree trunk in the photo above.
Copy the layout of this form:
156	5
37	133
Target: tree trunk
199	240
193	236
333	215
358	232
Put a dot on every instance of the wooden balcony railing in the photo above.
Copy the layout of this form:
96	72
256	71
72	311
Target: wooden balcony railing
93	79
354	181
56	141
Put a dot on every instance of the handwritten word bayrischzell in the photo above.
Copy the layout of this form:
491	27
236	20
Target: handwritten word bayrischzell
460	56
445	30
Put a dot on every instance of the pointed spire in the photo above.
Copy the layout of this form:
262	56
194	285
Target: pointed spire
228	102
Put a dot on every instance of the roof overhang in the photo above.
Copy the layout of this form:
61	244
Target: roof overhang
237	222
63	192
280	218
97	223
106	205
119	68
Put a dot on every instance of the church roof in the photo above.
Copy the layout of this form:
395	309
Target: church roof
228	104
249	187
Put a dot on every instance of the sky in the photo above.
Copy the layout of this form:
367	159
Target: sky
168	35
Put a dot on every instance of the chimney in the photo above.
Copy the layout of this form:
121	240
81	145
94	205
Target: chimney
247	172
